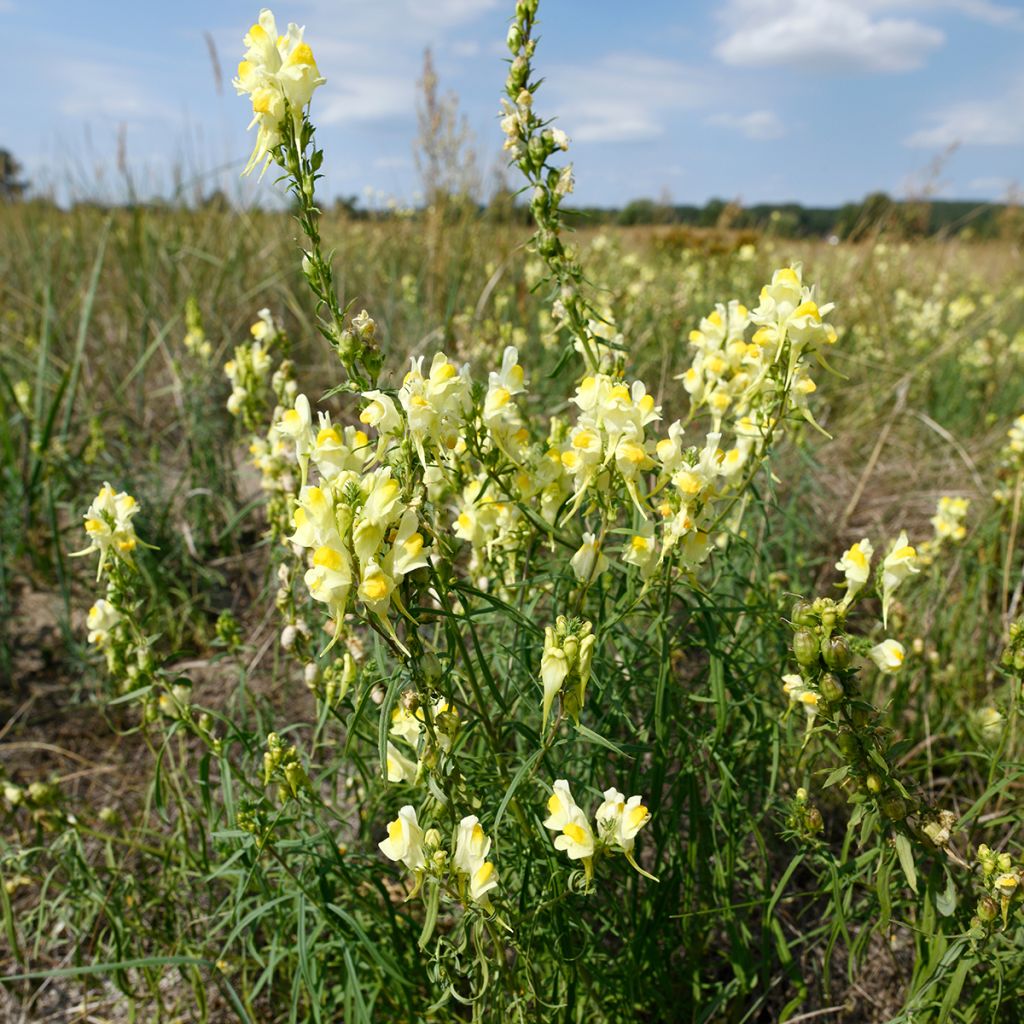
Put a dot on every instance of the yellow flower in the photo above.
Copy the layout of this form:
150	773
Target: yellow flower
588	563
576	838
888	655
900	563
398	767
404	841
279	74
856	566
108	525
102	618
472	847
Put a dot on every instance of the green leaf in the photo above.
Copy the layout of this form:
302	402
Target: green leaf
945	901
906	856
594	737
433	901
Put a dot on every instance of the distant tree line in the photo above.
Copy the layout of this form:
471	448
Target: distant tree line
452	200
852	221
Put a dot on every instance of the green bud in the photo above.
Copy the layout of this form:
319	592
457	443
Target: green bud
873	783
571	646
805	647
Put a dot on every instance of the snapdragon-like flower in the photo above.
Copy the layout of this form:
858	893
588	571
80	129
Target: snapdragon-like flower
588	563
470	859
404	841
410	726
796	688
618	821
279	74
102	618
108	525
900	563
435	405
856	566
576	837
398	767
888	655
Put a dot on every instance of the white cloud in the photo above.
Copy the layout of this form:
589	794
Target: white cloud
998	121
759	125
367	96
622	97
823	35
103	89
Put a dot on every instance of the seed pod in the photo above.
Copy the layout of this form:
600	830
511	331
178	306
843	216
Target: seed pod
802	614
848	745
805	647
814	822
836	652
830	686
894	808
988	909
873	783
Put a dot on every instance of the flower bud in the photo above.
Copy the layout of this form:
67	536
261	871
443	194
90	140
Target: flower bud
873	783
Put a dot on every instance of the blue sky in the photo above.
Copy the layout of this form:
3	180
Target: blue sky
819	101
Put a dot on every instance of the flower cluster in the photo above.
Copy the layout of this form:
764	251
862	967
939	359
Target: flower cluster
565	665
428	730
279	75
195	340
900	562
1003	887
734	371
1011	462
361	535
249	371
472	874
949	524
109	527
617	822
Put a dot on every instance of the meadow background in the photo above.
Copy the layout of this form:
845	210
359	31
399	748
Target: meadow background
127	888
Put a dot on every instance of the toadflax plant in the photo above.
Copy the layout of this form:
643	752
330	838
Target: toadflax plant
542	766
